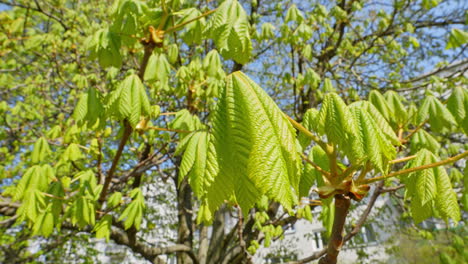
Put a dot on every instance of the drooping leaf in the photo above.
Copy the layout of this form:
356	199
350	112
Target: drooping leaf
430	189
89	108
158	68
457	38
229	28
41	150
103	227
368	143
130	100
334	120
255	146
396	107
379	102
457	104
433	110
310	122
133	214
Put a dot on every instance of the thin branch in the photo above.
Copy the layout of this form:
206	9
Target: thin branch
402	159
415	130
423	167
169	130
177	27
126	135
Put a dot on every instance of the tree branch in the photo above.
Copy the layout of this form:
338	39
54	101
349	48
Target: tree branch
423	167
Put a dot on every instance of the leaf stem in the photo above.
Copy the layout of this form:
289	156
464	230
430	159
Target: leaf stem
309	134
423	167
170	130
402	159
415	130
177	27
317	167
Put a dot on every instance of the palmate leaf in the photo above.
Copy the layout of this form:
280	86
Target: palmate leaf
89	108
334	120
457	104
229	28
195	162
255	148
193	31
105	45
41	150
158	68
430	190
103	227
130	100
433	110
368	140
379	102
35	178
422	139
309	121
133	214
396	106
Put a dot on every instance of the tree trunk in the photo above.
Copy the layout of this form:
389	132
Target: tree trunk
342	204
184	232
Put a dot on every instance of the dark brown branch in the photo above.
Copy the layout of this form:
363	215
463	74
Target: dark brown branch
126	135
342	204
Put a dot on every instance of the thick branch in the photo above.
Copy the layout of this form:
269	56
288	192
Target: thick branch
342	204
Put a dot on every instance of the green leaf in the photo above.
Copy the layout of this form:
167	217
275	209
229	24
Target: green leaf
328	214
158	68
422	139
379	102
103	227
367	140
114	199
72	153
130	100
229	28
433	110
334	120
35	178
430	189
396	107
105	45
89	108
212	64
41	150
457	38
310	174
193	33
294	14
255	146
457	104
133	214
309	121
328	86
44	224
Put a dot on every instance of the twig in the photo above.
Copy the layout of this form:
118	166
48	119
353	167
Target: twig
423	167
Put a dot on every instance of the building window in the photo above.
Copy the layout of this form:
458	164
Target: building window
366	236
320	240
289	228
